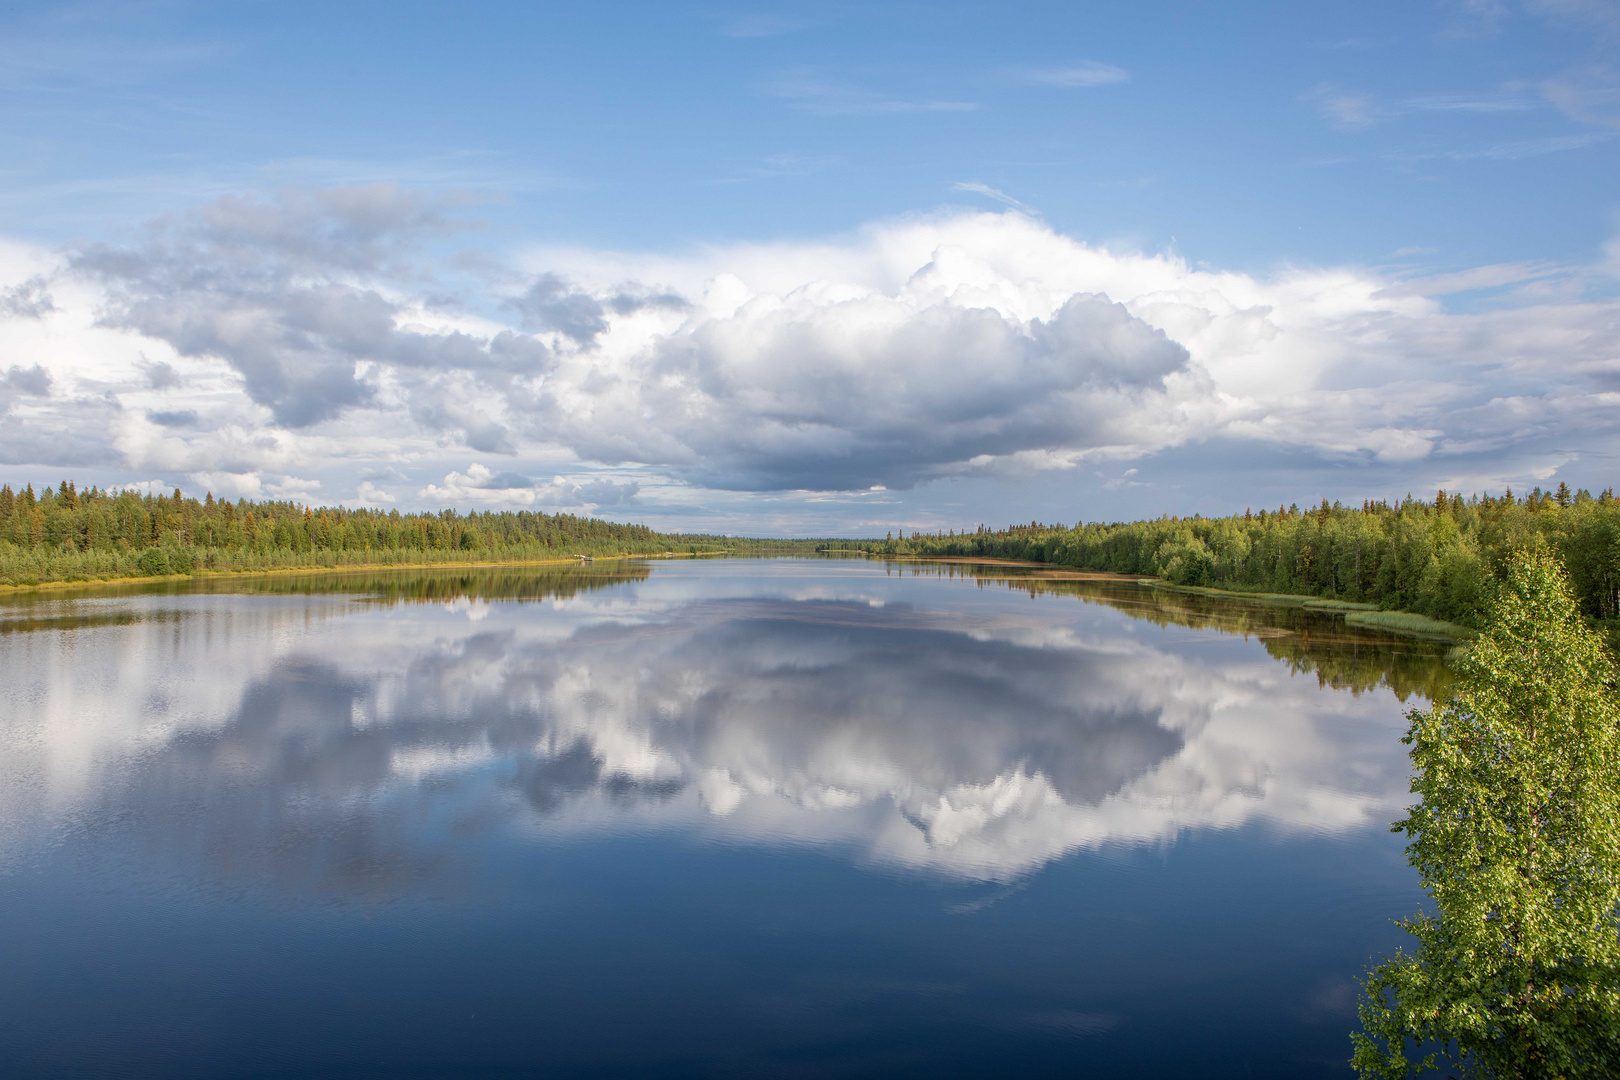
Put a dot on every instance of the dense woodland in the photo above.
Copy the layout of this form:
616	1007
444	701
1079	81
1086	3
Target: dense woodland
1433	558
64	534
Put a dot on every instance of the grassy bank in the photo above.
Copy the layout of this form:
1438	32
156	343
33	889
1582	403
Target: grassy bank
1408	623
345	568
1369	616
1435	559
318	565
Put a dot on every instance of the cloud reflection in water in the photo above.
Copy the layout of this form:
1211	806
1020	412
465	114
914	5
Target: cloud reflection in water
357	751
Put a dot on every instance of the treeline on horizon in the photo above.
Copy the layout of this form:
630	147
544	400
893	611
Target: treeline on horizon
65	534
1433	558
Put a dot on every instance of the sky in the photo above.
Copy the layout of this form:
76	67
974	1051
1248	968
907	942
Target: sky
811	269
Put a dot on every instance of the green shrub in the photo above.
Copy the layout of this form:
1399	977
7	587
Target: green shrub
153	562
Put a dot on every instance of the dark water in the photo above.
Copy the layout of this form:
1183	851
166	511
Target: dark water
734	818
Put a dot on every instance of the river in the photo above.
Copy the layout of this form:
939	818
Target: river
780	817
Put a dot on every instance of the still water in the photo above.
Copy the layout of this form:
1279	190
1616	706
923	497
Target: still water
725	818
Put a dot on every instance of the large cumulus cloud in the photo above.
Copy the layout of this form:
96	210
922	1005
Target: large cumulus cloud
294	294
832	392
344	332
322	305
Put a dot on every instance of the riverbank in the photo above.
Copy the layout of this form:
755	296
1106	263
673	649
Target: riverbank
1366	616
1361	615
346	568
1371	616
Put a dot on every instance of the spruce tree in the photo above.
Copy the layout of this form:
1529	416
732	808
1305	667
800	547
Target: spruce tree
1517	840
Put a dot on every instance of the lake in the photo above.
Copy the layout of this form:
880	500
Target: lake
782	817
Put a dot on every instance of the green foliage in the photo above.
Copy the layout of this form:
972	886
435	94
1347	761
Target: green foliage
1432	558
154	562
65	534
1517	840
1308	645
1405	622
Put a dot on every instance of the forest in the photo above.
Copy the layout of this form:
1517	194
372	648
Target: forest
65	534
1433	558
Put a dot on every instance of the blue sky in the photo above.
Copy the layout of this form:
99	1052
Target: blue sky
256	247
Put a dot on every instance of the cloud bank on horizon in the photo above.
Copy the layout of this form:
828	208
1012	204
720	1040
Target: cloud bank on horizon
337	345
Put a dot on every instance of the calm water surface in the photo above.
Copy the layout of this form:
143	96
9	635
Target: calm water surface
785	817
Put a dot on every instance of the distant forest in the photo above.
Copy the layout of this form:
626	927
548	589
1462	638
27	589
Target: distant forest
1433	558
64	534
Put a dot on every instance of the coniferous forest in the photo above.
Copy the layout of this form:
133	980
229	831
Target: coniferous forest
65	534
1433	558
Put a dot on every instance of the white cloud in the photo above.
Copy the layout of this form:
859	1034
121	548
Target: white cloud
907	351
815	95
761	25
1590	95
983	747
229	484
994	193
1338	362
1517	149
1082	74
481	484
369	494
293	487
1344	108
147	487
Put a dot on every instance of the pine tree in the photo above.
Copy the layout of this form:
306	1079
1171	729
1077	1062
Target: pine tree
1517	840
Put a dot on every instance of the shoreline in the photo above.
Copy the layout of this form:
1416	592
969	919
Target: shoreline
141	579
1366	616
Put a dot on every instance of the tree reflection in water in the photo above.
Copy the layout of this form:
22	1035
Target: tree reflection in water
349	734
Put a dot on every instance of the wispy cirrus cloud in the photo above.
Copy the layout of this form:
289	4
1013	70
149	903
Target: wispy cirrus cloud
1602	16
1509	99
1497	276
998	195
1590	95
823	98
1513	149
1588	98
761	25
775	166
1355	108
48	63
1346	109
1081	74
